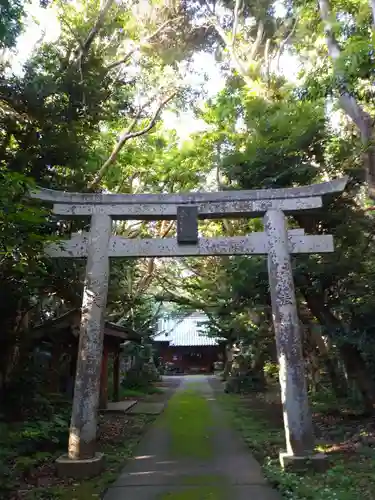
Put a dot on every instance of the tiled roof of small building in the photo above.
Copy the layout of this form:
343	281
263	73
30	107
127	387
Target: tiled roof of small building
187	332
189	339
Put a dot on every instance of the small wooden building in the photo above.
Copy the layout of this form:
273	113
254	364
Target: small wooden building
188	350
56	341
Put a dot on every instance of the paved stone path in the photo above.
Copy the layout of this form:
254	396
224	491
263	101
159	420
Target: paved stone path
147	408
119	407
153	474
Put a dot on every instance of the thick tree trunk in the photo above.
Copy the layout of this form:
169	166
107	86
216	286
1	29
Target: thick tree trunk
356	369
228	362
13	342
353	108
338	385
258	369
351	356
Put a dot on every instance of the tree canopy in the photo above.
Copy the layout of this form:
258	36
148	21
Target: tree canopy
90	111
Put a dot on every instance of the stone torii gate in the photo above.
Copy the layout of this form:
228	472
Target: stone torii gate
98	245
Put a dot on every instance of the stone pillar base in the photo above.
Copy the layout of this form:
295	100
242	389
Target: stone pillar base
79	469
317	462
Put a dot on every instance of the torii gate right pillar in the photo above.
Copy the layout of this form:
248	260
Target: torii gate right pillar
296	412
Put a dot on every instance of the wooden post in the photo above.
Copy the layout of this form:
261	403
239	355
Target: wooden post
103	399
116	375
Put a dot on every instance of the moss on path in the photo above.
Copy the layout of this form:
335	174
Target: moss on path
191	425
192	454
190	422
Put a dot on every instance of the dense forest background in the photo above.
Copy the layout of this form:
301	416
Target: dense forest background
157	97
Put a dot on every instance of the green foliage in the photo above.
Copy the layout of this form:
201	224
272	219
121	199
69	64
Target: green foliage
20	404
280	142
26	445
347	477
18	217
23	268
271	371
140	391
143	373
243	383
11	21
41	435
140	378
16	466
61	118
59	111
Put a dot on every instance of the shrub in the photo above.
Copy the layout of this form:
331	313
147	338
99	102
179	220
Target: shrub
244	383
271	371
140	377
24	398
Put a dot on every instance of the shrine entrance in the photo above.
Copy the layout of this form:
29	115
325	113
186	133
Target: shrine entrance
277	242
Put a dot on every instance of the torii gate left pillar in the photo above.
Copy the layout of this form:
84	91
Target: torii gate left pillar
82	438
83	425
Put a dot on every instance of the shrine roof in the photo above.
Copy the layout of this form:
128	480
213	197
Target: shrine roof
70	319
184	339
187	332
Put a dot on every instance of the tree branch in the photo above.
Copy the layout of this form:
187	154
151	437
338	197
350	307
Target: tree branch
184	301
155	315
267	59
129	134
236	13
85	47
143	42
258	40
229	44
146	280
348	103
284	43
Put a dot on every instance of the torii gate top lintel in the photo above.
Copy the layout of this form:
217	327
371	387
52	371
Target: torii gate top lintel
210	204
187	208
322	189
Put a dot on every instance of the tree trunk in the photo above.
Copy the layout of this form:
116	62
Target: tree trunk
353	108
337	382
351	356
13	342
258	368
356	369
228	362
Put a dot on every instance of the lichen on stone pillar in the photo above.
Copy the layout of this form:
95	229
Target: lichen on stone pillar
297	416
83	428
